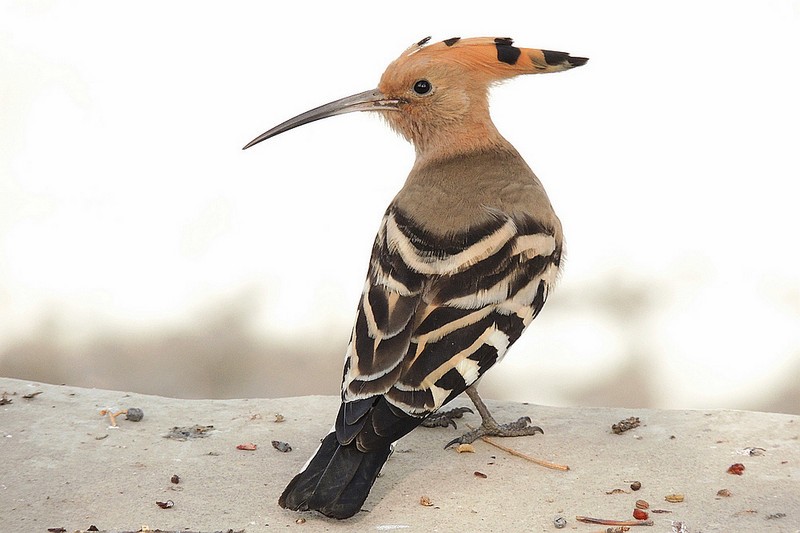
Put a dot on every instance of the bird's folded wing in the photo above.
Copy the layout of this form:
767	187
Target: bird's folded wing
437	312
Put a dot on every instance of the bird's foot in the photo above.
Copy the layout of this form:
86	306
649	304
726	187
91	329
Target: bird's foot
445	418
490	428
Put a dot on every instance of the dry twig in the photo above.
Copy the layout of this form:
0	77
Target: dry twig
540	462
604	522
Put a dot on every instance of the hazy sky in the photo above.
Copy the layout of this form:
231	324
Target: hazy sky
671	158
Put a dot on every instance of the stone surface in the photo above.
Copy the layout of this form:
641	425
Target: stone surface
62	466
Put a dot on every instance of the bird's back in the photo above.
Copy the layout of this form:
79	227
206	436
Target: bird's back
449	196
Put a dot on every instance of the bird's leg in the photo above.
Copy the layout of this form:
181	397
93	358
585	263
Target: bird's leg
445	418
489	427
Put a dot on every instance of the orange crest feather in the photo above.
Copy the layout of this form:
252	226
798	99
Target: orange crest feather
494	57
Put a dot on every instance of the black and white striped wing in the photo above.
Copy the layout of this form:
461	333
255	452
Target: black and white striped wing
437	312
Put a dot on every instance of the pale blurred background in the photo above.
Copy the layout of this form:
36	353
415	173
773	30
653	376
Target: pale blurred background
141	249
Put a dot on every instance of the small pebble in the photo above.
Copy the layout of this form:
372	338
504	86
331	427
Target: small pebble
134	414
737	469
626	425
752	451
281	446
560	522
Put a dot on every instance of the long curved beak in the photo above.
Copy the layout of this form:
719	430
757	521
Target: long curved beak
373	100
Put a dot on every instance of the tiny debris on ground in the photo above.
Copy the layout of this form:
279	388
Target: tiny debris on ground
679	527
607	522
626	425
754	451
281	446
737	469
134	414
188	432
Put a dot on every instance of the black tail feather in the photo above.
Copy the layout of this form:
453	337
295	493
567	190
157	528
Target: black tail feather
337	481
338	478
296	494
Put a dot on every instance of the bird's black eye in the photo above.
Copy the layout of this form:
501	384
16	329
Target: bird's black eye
422	87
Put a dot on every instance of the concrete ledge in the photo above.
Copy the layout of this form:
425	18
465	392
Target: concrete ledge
61	466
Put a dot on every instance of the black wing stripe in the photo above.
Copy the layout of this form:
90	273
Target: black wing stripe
444	264
428	243
444	317
511	325
479	277
527	271
376	385
452	381
419	401
376	355
389	269
389	311
435	354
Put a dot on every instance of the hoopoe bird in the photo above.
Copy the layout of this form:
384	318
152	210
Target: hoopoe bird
464	259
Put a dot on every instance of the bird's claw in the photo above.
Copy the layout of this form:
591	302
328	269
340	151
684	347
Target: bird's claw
518	428
446	418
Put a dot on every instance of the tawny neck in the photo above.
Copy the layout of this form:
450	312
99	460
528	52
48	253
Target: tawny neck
463	138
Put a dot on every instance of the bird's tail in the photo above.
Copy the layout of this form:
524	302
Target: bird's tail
336	481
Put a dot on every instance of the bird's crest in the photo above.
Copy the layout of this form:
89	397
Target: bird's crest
495	58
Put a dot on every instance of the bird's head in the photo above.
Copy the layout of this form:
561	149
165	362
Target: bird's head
437	93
